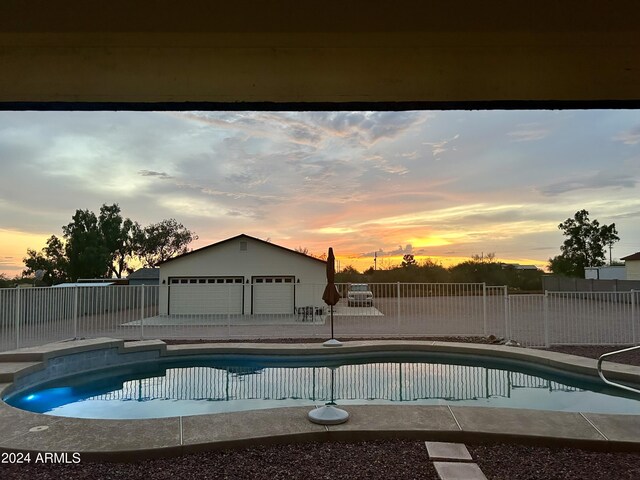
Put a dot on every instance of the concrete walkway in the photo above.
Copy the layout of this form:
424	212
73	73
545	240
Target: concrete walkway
134	439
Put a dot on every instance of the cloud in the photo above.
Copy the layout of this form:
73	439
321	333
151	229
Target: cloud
440	147
360	180
629	137
384	165
151	173
245	214
528	132
408	249
367	128
627	215
410	155
313	128
334	230
594	181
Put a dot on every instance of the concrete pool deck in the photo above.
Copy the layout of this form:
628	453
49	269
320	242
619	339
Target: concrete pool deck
120	440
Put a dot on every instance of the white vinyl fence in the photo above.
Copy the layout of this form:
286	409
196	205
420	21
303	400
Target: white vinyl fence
34	316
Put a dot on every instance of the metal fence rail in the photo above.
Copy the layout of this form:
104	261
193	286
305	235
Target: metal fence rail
33	316
593	318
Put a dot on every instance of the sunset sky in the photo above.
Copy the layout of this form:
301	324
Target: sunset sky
441	184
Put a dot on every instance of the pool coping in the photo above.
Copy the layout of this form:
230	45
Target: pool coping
125	440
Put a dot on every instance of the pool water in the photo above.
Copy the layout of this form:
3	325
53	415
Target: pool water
225	383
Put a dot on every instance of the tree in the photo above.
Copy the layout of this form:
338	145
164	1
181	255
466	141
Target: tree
584	246
161	241
408	260
120	237
85	248
482	258
6	282
106	246
51	259
305	251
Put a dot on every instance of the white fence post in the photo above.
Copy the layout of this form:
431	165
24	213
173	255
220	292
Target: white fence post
507	320
484	308
17	317
142	311
229	310
633	317
398	302
546	320
75	312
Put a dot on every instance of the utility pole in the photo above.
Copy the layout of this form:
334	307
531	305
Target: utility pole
375	260
610	246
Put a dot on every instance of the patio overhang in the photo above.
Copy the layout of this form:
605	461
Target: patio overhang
329	55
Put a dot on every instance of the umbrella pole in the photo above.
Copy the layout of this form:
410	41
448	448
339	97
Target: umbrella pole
332	322
329	414
332	342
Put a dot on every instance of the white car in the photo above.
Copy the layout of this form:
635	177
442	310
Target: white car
359	295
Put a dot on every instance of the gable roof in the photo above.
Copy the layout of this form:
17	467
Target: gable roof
237	237
634	256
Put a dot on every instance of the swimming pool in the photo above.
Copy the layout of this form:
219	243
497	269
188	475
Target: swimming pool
200	384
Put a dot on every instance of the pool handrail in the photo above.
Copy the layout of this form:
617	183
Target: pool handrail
609	382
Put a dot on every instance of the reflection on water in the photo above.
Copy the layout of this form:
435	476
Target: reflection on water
208	388
376	381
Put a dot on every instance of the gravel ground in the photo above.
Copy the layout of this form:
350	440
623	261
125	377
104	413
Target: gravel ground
594	351
389	459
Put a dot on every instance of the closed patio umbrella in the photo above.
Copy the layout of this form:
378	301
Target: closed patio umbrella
329	414
331	295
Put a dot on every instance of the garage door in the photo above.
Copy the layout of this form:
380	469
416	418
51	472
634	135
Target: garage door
205	295
273	295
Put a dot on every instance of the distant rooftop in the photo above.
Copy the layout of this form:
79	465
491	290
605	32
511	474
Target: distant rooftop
145	274
633	256
517	266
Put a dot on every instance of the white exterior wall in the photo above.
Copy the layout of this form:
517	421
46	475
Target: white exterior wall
259	259
633	269
606	273
591	273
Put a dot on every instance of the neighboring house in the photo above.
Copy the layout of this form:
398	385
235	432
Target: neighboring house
517	266
632	265
145	276
609	272
241	275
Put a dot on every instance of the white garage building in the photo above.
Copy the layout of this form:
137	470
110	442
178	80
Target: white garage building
241	275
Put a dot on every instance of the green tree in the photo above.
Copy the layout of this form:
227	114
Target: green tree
473	271
85	247
482	258
120	238
161	241
51	259
408	260
106	246
349	274
6	282
585	245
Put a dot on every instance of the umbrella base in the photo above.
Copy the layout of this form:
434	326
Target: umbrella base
328	415
332	343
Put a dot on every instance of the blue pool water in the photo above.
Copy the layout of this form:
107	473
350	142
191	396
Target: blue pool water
199	385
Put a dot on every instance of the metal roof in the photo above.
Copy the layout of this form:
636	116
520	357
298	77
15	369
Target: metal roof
145	273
